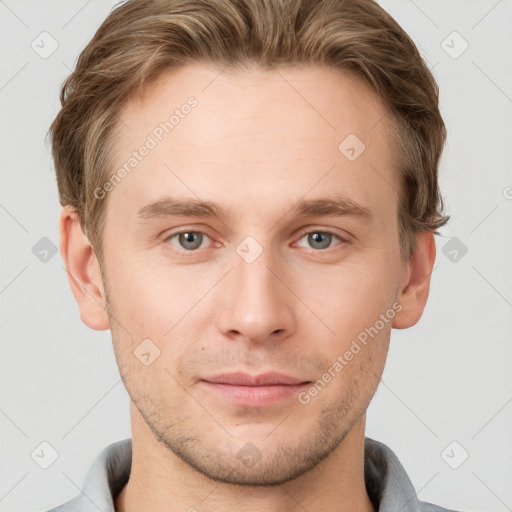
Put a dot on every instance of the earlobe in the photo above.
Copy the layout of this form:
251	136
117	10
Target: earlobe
416	286
83	271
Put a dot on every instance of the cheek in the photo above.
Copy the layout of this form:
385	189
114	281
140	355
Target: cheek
351	296
363	358
165	306
152	298
349	380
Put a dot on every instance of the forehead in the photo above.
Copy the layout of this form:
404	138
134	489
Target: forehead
327	99
258	130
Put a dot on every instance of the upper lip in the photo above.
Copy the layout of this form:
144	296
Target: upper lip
263	379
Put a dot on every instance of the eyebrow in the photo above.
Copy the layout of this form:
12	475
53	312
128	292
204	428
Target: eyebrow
333	206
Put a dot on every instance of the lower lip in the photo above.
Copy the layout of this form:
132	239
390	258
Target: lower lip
255	396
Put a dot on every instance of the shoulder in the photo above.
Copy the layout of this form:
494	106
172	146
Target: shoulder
388	483
70	506
105	478
430	507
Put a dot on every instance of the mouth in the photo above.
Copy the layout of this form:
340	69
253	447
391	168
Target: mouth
254	390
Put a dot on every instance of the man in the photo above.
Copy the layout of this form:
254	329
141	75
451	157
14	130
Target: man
250	199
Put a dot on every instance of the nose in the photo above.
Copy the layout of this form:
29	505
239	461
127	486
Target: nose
256	303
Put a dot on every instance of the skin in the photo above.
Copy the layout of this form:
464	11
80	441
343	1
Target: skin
255	146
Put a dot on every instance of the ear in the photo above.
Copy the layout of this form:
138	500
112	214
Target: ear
415	284
83	271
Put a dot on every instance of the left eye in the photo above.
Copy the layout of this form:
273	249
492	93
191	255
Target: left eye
320	239
189	240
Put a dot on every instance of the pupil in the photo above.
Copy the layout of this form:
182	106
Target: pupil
189	240
317	238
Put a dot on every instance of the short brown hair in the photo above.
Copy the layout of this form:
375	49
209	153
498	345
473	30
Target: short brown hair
140	39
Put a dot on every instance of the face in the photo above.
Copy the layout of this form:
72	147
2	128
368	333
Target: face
253	306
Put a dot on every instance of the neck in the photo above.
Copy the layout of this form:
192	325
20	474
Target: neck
160	481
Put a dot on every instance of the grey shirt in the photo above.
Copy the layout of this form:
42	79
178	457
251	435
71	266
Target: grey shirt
387	483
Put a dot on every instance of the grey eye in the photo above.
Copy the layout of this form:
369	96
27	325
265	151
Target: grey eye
320	239
188	240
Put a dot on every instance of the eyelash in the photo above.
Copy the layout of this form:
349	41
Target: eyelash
343	241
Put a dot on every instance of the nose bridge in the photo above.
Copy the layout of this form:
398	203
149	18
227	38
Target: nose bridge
255	303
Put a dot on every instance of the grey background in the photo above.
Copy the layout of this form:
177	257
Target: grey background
447	379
